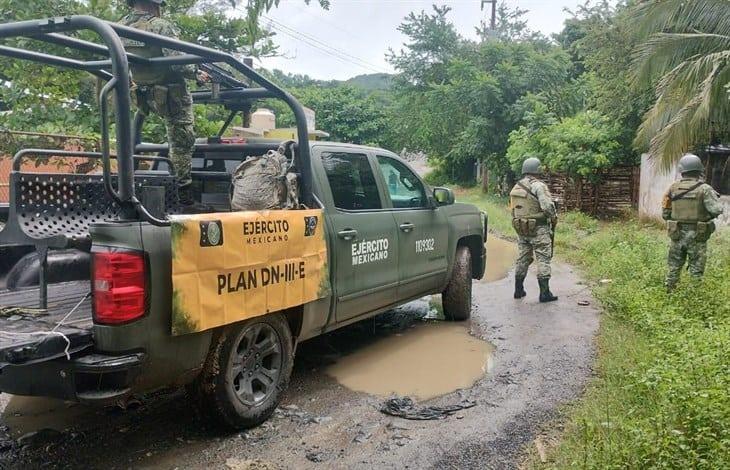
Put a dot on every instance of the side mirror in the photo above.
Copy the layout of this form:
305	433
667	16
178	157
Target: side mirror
443	196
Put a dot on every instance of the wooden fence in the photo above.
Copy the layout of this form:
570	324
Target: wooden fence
615	192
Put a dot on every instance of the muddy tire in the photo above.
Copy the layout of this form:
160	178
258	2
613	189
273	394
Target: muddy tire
246	372
456	298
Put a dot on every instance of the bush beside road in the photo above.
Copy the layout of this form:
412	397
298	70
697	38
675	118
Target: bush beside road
660	395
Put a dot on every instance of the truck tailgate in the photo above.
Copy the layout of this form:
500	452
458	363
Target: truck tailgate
28	336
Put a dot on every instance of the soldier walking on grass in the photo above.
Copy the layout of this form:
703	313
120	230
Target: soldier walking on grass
689	207
162	89
534	219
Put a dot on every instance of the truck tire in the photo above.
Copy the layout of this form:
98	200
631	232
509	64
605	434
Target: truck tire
456	298
246	372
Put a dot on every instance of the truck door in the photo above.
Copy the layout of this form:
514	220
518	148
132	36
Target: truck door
422	230
364	240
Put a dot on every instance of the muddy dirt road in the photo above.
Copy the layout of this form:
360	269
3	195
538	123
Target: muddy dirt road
517	360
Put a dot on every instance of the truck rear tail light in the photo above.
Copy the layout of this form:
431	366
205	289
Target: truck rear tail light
119	282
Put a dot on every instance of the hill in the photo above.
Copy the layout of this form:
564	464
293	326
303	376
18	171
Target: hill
371	82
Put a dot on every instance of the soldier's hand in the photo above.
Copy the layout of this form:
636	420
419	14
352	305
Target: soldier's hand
202	76
554	222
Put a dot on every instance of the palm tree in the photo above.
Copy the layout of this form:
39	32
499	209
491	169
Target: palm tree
686	59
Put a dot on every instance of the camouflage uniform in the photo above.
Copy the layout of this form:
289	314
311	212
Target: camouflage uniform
162	90
538	240
689	235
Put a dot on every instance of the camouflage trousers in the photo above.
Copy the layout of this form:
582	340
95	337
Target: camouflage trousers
541	245
174	104
685	247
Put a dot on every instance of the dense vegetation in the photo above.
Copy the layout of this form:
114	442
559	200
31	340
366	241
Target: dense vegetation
660	398
620	78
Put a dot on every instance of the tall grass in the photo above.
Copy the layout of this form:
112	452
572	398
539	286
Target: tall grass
661	396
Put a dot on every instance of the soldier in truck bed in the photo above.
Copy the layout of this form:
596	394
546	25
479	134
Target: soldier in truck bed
162	89
689	206
534	218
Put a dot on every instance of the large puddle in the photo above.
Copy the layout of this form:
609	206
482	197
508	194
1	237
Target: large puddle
27	414
425	361
501	256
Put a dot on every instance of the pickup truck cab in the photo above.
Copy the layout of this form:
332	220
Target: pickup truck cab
389	239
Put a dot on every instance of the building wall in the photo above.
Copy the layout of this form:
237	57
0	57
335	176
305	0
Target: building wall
655	182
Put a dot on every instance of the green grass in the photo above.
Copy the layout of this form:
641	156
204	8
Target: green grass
500	221
661	395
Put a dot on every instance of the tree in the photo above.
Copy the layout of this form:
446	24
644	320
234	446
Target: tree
67	99
686	58
581	145
600	38
348	114
433	41
458	100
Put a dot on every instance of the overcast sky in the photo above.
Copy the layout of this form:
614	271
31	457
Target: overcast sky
352	37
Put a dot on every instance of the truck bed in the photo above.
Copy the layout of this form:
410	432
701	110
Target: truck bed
26	333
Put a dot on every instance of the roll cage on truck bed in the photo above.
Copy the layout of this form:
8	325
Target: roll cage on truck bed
52	211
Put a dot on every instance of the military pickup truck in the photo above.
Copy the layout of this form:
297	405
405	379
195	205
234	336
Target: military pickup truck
387	239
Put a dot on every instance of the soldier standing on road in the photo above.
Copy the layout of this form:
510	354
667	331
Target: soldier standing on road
689	207
534	218
162	89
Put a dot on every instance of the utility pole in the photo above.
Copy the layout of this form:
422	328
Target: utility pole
493	22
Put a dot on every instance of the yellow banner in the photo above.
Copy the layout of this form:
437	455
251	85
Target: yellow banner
227	267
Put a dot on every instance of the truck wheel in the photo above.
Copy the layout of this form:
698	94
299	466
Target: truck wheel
246	372
456	299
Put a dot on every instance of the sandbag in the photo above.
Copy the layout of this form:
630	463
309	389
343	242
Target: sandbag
265	182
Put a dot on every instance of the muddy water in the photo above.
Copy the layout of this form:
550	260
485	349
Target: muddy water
27	414
423	362
501	256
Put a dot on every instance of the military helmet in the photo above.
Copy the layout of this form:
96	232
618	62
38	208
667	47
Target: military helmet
532	166
690	163
157	2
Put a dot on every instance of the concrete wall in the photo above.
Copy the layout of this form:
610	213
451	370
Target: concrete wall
655	182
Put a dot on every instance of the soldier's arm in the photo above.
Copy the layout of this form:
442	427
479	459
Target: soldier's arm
667	206
547	205
712	201
166	28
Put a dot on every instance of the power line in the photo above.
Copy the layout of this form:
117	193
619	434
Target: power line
308	11
321	45
314	46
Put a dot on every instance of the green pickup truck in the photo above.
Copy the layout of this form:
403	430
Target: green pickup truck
390	239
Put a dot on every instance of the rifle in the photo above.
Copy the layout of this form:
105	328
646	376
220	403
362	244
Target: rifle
552	240
552	231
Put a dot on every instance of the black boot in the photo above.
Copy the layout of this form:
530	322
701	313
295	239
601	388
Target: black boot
545	294
520	287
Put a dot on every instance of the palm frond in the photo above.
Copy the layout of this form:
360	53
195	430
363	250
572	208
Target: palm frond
686	58
681	16
665	51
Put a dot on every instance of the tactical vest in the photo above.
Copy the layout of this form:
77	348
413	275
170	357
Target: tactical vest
147	74
525	205
690	208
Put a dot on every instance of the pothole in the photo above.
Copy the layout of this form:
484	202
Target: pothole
425	361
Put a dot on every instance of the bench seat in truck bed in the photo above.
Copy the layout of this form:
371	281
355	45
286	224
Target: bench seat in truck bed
26	333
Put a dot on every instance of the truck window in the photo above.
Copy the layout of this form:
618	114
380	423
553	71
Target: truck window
404	187
351	180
